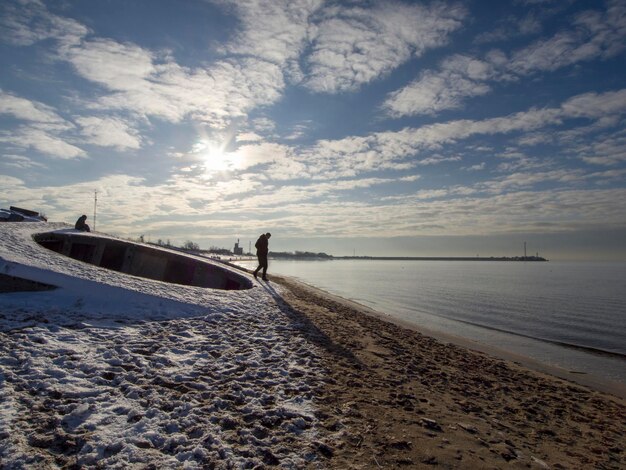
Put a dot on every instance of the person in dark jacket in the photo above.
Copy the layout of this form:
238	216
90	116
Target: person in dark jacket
81	225
262	248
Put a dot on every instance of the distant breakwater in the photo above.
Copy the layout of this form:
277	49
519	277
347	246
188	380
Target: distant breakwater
411	258
445	258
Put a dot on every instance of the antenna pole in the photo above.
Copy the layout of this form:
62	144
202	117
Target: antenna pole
95	203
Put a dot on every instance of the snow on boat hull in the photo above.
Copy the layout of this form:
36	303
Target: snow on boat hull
141	260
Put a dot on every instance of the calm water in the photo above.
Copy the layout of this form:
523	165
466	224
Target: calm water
572	315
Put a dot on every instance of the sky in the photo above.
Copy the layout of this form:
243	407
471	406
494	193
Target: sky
399	128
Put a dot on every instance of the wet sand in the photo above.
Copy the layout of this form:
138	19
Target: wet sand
394	397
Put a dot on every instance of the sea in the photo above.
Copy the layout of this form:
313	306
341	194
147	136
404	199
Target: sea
571	315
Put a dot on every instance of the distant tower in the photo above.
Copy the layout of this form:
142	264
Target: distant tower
524	250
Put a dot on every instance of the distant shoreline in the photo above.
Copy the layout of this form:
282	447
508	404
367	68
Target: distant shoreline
445	258
308	256
410	258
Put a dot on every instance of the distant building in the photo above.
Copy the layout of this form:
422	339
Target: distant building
238	250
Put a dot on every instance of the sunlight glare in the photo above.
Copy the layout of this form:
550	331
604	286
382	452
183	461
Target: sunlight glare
215	158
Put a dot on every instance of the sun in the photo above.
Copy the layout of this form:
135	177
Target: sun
215	158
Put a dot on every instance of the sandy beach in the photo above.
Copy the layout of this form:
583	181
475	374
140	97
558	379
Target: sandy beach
394	398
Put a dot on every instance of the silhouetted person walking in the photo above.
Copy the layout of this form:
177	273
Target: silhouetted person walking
81	225
262	248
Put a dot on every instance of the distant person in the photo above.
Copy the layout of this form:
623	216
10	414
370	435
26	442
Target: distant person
81	225
262	248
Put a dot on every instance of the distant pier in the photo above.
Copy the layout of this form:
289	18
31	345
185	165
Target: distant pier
446	258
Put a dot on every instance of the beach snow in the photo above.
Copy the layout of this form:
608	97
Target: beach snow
113	370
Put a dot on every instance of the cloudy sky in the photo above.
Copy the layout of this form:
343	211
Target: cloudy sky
376	127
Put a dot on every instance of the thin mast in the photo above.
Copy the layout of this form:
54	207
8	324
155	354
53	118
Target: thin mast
95	203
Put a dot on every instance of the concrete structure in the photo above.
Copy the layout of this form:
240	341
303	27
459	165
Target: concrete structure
143	261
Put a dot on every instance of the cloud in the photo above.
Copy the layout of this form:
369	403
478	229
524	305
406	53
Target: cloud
402	149
45	128
530	23
459	77
287	169
298	131
20	162
605	150
592	35
478	167
535	138
27	110
608	176
251	74
116	66
262	54
390	150
217	95
248	137
109	132
437	159
325	208
271	30
596	105
48	144
10	181
263	125
235	205
262	153
520	162
26	22
118	196
153	84
353	45
521	180
437	213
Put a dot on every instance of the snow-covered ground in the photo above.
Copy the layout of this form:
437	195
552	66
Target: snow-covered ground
114	370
